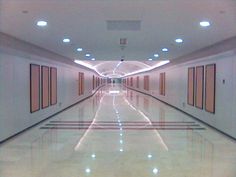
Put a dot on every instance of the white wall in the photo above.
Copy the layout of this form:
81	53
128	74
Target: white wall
15	113
224	118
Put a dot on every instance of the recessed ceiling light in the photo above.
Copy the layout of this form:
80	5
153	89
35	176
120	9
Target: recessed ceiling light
164	50
204	23
87	170
178	40
66	40
150	59
93	155
42	23
79	49
156	55
155	170
87	55
93	59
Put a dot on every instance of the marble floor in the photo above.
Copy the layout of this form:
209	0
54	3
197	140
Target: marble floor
119	133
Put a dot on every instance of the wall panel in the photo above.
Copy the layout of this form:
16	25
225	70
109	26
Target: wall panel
34	88
45	86
199	87
210	88
53	86
191	79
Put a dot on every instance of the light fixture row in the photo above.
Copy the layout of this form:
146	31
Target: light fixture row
42	23
203	24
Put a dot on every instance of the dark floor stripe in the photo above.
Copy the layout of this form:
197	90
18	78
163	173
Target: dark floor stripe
123	125
120	122
112	128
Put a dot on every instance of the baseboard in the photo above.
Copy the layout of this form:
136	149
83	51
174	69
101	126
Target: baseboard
28	128
196	118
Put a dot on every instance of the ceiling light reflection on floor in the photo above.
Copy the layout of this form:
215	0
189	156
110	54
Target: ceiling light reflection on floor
114	91
87	170
155	171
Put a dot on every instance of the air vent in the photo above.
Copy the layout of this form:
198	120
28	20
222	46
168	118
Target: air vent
123	25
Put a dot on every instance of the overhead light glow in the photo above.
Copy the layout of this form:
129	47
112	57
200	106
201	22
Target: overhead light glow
66	40
149	156
79	49
156	55
155	170
164	50
93	155
121	150
88	66
93	59
87	170
161	63
205	23
114	91
178	40
150	59
42	23
87	55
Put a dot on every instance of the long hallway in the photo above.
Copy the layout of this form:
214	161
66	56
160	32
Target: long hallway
119	133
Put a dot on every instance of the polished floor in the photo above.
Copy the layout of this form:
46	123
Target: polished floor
119	133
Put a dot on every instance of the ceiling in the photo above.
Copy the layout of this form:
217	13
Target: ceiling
98	25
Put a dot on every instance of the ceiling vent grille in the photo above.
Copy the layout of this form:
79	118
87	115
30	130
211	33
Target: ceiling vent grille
123	25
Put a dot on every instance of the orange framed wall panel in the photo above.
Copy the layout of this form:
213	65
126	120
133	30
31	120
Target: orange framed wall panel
34	88
162	84
53	86
199	87
191	79
81	84
96	82
146	83
210	81
45	86
93	82
131	81
137	81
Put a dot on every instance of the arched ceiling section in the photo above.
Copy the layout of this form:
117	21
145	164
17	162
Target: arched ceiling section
118	68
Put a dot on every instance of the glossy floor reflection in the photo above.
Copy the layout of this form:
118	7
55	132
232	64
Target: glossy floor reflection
119	133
